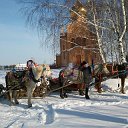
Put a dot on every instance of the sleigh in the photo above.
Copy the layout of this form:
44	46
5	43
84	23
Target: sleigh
54	85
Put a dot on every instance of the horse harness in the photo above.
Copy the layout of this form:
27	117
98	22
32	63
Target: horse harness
31	76
16	80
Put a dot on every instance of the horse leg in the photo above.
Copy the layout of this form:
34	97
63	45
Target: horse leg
122	85
81	87
1	89
98	86
11	97
29	94
15	97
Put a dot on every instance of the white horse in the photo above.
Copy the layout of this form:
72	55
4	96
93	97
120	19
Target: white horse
14	82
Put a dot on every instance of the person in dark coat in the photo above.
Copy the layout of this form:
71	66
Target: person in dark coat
61	82
87	76
122	72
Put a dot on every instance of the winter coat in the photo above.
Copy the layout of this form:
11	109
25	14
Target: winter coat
31	63
87	74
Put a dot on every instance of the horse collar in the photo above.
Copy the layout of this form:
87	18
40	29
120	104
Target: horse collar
31	75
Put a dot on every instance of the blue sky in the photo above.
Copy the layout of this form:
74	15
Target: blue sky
18	42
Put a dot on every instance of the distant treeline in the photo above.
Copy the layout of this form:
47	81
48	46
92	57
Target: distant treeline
7	67
10	67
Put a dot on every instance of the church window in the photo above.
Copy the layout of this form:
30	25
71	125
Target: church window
78	41
84	42
63	47
72	42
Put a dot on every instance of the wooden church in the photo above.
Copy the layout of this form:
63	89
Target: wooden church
78	43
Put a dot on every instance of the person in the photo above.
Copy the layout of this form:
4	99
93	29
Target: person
81	86
122	74
87	76
61	84
30	64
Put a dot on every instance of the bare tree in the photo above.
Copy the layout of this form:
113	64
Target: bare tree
48	16
95	19
106	20
110	18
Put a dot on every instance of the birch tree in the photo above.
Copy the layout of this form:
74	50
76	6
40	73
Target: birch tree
122	57
111	19
51	15
97	32
117	16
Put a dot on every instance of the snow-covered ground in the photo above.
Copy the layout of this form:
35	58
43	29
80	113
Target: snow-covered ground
106	110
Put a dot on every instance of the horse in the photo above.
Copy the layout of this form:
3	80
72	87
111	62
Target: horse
26	80
69	76
122	74
2	88
99	72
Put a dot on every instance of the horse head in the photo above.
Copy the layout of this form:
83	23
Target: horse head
101	69
46	71
105	69
37	72
42	71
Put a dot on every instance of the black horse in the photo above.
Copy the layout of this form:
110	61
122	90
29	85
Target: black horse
122	73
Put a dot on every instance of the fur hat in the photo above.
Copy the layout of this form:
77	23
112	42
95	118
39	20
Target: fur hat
83	63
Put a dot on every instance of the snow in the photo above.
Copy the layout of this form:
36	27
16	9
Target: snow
20	66
106	110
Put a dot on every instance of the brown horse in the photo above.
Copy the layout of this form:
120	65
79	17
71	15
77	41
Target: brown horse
100	71
100	74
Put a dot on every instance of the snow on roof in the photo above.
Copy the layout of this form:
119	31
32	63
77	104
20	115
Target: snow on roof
21	65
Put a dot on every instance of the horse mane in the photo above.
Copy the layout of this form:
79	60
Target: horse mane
46	70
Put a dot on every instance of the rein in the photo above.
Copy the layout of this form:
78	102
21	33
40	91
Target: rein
7	90
113	76
34	80
31	76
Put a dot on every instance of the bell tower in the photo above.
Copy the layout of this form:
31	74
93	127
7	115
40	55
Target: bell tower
78	11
